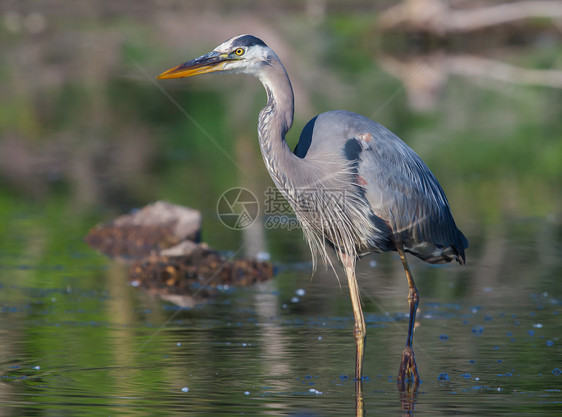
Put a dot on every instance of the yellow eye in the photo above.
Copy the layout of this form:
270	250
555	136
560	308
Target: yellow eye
239	51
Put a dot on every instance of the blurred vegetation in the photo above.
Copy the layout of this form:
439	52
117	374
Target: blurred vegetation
83	122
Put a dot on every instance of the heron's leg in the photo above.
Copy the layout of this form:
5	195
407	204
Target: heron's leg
358	331
359	328
408	363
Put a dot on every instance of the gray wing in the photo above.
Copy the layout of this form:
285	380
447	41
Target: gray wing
399	187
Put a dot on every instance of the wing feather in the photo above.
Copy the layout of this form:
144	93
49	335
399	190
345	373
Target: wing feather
399	187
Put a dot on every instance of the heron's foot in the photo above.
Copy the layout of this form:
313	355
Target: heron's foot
408	377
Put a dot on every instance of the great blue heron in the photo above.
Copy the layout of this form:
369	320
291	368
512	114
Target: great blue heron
352	183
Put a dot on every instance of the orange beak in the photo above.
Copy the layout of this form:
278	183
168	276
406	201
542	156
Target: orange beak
211	62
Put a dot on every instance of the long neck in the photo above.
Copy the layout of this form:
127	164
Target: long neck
275	120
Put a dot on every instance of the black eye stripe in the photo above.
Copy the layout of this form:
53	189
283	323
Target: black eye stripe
248	41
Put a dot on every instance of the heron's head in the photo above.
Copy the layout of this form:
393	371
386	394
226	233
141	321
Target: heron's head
243	53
